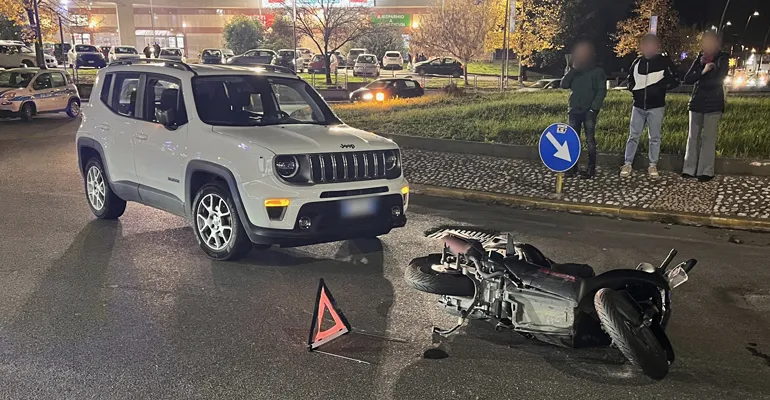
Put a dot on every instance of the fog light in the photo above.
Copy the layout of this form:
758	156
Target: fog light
304	223
380	96
395	211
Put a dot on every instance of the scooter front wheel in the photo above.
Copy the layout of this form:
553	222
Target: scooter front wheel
623	323
428	274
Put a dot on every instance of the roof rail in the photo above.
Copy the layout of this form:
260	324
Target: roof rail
157	61
267	67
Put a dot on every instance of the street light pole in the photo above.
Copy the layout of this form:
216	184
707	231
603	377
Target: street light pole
504	57
38	37
722	20
755	14
152	21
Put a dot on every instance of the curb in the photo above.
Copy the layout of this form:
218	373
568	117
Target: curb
630	213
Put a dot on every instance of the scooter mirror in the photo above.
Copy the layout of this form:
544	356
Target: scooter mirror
646	267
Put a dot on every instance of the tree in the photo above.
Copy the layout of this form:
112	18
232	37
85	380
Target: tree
538	25
330	26
281	33
630	30
8	29
242	33
457	27
381	39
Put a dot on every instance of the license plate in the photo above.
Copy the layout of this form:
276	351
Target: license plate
90	61
356	208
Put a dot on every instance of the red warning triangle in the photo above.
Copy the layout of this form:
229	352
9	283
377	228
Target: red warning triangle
324	302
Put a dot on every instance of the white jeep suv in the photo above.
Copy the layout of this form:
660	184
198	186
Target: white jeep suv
247	154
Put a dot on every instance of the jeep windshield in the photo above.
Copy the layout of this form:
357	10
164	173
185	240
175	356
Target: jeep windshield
253	100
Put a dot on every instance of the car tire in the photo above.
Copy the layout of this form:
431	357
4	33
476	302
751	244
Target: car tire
214	213
421	275
102	201
27	111
73	108
616	316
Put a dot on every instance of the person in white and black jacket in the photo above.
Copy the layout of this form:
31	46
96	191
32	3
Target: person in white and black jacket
651	77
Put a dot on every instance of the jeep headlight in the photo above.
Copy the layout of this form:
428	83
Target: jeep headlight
391	160
286	166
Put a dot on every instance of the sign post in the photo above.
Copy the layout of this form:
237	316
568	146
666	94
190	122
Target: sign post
559	149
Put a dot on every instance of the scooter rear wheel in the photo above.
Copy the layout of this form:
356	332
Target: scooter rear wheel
426	275
623	323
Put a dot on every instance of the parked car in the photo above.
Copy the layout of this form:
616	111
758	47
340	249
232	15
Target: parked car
59	51
105	50
85	55
548	84
211	56
249	171
353	55
439	66
123	52
366	65
392	60
306	55
15	54
172	53
255	56
290	59
227	54
318	64
386	89
26	92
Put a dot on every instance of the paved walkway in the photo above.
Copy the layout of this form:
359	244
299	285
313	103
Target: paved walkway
725	196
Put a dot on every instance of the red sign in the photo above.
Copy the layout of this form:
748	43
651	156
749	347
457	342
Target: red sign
266	19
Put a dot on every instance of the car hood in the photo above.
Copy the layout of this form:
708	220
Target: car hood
300	139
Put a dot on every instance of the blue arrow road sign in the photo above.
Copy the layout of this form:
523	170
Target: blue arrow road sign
559	147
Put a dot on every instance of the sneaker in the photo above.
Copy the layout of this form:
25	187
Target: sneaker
625	171
587	174
705	178
653	171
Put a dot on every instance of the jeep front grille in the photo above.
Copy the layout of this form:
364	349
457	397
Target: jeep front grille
348	166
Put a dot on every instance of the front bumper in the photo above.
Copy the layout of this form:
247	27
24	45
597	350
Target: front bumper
328	225
9	109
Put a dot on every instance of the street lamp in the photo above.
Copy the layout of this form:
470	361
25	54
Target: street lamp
755	14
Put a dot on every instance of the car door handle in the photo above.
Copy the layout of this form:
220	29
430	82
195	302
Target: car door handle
103	127
140	136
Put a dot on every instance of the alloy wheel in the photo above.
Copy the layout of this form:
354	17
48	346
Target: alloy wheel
214	222
75	108
95	188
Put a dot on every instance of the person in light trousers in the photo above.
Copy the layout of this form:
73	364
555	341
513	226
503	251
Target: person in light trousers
707	104
651	76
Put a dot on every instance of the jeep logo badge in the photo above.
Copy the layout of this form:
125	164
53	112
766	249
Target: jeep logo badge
347	146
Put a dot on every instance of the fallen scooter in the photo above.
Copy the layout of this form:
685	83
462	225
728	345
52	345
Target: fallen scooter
562	304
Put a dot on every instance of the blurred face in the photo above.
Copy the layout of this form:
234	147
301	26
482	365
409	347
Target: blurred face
650	48
709	44
583	53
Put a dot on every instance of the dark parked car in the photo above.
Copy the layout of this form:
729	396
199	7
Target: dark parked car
256	56
384	89
289	59
439	66
211	56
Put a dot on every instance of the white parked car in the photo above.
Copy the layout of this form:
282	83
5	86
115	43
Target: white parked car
172	53
392	60
26	92
366	65
248	156
306	55
15	54
123	52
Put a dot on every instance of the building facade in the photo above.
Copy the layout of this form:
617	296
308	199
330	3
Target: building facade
194	25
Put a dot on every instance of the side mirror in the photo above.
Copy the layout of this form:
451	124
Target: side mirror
167	118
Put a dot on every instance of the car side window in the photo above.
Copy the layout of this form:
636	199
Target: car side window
124	93
164	96
436	62
57	79
105	93
42	82
410	84
3	49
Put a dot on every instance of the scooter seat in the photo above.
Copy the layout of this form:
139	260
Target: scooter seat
532	255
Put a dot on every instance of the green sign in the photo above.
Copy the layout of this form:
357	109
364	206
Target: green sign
401	20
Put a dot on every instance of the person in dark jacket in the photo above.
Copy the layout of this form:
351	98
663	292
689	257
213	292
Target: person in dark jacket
147	52
707	104
588	87
156	50
650	77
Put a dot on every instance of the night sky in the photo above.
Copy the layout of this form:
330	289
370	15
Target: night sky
705	13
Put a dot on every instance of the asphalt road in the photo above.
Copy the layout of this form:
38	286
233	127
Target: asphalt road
133	310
